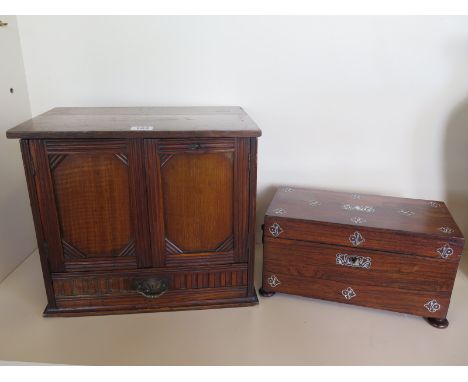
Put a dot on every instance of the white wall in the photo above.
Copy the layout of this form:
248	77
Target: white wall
17	238
355	103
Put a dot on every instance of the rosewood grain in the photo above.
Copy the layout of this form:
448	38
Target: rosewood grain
382	252
143	220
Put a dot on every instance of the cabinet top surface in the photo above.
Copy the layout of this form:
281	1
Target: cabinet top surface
416	216
133	122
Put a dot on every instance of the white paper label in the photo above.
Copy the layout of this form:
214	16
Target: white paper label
142	128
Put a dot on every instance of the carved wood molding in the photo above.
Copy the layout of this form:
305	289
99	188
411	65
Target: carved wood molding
171	247
54	160
123	158
60	146
226	245
163	158
70	252
78	286
196	145
129	250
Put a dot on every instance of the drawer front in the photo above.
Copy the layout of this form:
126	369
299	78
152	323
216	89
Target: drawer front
149	288
419	303
384	280
445	248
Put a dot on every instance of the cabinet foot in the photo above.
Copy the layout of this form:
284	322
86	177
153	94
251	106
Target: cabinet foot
439	323
264	293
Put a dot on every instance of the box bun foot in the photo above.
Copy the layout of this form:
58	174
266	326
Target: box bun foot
439	323
264	293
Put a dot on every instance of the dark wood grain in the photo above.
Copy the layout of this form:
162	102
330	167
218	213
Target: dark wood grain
30	173
117	122
380	297
93	200
198	196
325	216
414	216
252	163
318	261
401	262
172	212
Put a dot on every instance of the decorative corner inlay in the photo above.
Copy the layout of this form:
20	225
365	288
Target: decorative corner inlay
445	251
356	239
171	248
353	261
432	306
351	207
446	230
356	196
163	158
348	293
358	220
280	211
273	281
128	250
406	212
314	203
54	160
226	245
122	157
434	204
289	189
275	229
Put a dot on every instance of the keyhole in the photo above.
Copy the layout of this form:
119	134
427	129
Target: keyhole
354	259
12	90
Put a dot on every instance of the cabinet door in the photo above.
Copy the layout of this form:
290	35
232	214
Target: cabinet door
198	200
91	194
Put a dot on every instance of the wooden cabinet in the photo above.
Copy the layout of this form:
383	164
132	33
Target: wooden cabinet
143	209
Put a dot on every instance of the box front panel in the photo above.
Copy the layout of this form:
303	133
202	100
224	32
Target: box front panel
375	279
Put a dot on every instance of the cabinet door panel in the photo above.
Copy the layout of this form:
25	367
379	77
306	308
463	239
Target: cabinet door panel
92	195
197	194
91	216
197	200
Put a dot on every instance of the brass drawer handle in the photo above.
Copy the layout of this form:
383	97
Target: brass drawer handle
151	288
2	24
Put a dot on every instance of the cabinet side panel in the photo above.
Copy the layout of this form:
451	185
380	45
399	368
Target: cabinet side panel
30	180
252	214
46	202
241	198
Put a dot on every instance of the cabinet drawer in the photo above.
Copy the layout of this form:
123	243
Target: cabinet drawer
368	268
149	289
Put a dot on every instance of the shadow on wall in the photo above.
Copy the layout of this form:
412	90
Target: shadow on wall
456	170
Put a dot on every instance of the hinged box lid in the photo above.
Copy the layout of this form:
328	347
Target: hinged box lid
409	226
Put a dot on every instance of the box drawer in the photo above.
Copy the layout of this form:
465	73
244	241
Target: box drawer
372	268
425	304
